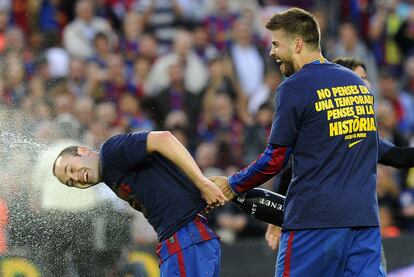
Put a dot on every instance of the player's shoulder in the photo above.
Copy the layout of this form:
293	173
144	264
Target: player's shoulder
120	140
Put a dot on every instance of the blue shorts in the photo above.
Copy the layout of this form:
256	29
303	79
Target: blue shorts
201	260
347	252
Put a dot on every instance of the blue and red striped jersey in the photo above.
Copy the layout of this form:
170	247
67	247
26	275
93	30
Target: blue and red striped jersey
267	165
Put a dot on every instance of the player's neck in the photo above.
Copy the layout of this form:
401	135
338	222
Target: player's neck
310	57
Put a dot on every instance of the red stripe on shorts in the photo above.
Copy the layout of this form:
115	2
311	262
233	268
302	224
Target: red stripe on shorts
286	271
202	229
181	267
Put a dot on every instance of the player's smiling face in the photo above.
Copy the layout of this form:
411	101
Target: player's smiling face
281	52
80	171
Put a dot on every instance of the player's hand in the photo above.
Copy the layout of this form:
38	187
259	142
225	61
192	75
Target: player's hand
212	194
272	236
223	183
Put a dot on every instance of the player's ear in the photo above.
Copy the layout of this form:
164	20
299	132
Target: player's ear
83	151
297	45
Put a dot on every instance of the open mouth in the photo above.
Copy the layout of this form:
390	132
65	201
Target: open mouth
85	177
278	61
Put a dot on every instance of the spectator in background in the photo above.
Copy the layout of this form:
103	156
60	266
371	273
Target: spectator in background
102	51
83	110
387	121
219	24
407	85
388	191
15	86
57	57
4	22
349	45
387	224
68	126
178	124
161	18
407	209
175	97
130	116
383	26
388	130
222	79
108	84
148	48
4	221
407	80
41	111
389	90
405	35
256	134
176	118
15	40
52	16
247	59
206	157
45	132
202	46
5	5
62	100
195	72
116	82
133	27
138	78
263	94
106	114
327	40
194	11
77	78
79	34
222	124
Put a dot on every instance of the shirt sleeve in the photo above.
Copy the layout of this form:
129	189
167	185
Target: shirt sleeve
268	164
383	147
290	106
126	151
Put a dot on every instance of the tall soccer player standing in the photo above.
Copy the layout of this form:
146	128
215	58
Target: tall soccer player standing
325	119
157	176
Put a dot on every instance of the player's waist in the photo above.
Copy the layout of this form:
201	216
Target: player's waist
195	231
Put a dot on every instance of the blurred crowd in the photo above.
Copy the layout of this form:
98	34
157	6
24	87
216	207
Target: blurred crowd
86	70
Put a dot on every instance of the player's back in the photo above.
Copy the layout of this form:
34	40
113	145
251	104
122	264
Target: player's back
334	149
167	195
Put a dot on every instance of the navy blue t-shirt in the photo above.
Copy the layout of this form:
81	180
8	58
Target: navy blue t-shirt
167	195
325	113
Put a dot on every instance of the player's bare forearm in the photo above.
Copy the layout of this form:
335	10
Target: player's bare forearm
166	144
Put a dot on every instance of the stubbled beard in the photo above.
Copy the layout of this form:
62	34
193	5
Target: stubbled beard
289	68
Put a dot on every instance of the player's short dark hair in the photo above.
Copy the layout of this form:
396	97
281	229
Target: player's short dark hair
70	150
297	22
350	63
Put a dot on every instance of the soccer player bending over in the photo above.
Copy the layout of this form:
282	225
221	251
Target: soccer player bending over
155	173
